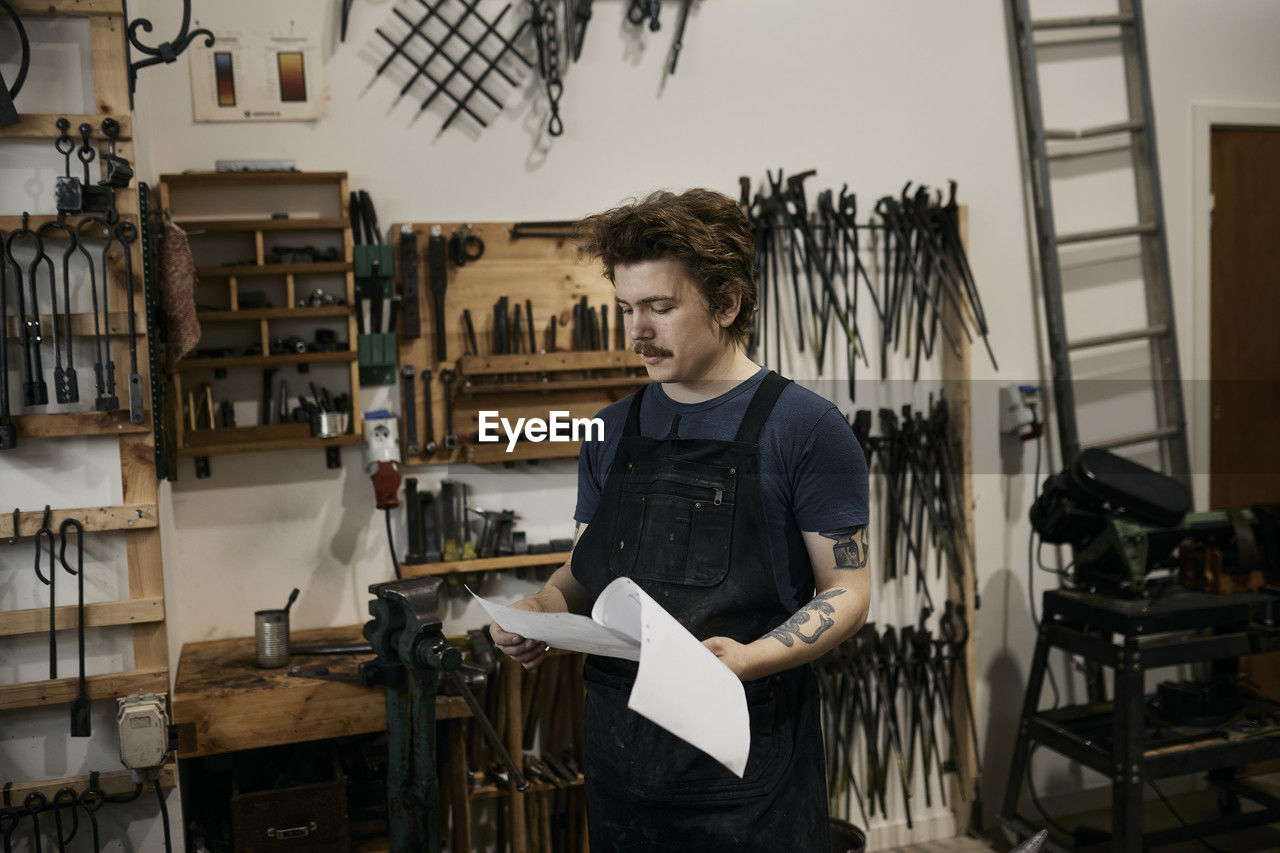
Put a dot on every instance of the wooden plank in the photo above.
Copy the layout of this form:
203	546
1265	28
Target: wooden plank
67	8
551	386
79	424
126	206
223	702
547	362
238	179
44	126
94	519
146	570
82	324
34	694
488	564
110	71
273	313
267	360
102	614
112	784
196	446
956	388
191	226
246	270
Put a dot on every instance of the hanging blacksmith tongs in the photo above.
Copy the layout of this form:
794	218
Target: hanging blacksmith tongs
80	719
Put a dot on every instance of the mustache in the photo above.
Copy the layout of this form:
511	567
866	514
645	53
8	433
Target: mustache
643	348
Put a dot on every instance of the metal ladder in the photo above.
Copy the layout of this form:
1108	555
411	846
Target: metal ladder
1158	328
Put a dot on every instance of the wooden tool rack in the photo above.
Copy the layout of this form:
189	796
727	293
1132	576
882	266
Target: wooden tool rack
546	272
135	517
209	438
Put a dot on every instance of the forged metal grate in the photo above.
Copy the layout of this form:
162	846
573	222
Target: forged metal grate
456	56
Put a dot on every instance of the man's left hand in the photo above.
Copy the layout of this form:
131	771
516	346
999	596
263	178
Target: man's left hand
732	654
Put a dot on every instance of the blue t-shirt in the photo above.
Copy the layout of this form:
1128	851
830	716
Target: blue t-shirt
812	471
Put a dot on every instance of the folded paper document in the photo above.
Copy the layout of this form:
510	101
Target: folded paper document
681	686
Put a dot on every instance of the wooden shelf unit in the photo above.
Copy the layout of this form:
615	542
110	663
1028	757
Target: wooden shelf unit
143	612
548	274
206	442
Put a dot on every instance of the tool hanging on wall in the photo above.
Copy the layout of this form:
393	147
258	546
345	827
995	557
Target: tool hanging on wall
127	234
410	285
408	405
817	252
34	390
429	427
438	278
66	387
80	720
45	536
9	113
462	44
8	432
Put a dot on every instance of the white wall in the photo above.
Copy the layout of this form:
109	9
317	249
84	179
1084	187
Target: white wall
869	94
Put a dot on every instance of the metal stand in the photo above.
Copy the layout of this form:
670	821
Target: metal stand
1118	739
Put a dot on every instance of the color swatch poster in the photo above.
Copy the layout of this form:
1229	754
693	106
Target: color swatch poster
257	77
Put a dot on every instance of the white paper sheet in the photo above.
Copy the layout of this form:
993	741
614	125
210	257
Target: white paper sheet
681	686
563	631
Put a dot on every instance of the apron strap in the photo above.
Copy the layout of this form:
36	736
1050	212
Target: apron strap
761	406
633	414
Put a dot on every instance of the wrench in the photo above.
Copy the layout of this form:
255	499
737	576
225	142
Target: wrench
410	402
429	434
450	438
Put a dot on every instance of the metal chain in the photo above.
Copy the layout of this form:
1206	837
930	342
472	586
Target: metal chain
550	37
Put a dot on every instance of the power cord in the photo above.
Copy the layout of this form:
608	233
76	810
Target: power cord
391	543
1031	562
1035	798
164	815
1168	805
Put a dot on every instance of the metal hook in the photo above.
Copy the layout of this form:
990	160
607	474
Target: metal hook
62	549
166	52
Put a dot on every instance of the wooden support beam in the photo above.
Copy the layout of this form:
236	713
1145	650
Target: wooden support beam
112	784
94	519
78	424
44	126
67	8
82	324
102	614
112	685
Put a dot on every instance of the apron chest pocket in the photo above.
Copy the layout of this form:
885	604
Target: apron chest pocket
675	523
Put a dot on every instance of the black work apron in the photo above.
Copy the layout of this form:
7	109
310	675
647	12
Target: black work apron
684	519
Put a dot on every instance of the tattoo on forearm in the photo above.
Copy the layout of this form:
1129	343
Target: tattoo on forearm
795	628
851	549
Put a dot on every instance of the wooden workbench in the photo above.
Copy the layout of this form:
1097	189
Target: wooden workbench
223	702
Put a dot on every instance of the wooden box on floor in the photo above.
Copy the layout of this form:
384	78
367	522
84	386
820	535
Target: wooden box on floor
301	818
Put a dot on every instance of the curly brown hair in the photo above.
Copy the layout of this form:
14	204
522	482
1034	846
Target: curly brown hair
704	230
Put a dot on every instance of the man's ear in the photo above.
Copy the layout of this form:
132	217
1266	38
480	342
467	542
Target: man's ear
730	305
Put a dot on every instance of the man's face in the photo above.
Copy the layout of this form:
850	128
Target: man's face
668	321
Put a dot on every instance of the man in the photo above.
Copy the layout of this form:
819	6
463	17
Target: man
739	502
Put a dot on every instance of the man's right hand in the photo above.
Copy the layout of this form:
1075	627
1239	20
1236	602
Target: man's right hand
528	653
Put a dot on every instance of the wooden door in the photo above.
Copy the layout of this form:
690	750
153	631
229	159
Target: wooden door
1244	308
1244	348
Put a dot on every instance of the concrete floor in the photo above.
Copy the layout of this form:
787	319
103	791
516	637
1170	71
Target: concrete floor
1193	807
